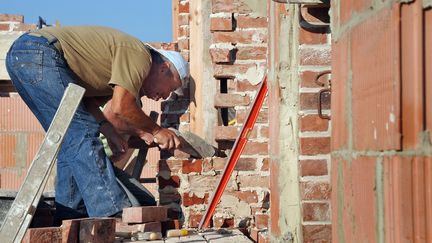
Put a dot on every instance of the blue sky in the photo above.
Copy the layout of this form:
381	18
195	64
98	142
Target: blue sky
148	20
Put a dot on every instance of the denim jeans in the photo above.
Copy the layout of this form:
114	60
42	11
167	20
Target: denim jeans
86	183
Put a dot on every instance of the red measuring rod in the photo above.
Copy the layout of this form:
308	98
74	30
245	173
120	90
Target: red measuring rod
239	145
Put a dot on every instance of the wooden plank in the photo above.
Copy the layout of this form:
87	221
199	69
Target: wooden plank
27	199
43	235
203	116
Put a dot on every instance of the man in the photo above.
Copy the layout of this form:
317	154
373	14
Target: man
110	65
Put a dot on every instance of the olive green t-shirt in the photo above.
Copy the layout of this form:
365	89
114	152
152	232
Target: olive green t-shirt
102	57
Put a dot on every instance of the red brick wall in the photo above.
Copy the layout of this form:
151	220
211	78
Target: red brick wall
314	131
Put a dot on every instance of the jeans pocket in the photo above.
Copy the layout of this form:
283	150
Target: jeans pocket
27	65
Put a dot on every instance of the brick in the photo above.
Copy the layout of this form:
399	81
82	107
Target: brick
309	123
222	54
314	190
265	165
314	146
241	37
236	6
317	233
314	36
247	21
226	133
315	16
144	214
220	222
263	237
315	56
255	148
173	181
246	164
24	27
223	23
12	178
232	71
194	220
183	19
231	100
183	7
34	140
172	166
251	53
246	196
262	116
70	230
183	31
207	165
253	181
190	199
189	166
183	44
12	18
308	80
17	121
309	101
261	221
4	27
146	227
43	235
219	163
317	211
264	132
97	230
244	85
8	143
313	167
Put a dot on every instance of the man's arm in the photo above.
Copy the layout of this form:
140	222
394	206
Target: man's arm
124	107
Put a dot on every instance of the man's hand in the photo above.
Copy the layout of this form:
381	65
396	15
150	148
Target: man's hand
166	139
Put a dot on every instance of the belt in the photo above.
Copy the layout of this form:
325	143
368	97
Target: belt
52	40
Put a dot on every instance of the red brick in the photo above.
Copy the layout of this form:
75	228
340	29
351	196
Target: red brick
220	222
226	133
207	165
265	165
224	23
219	163
34	140
97	230
255	148
316	211
251	53
231	100
17	121
309	123
144	214
12	18
254	234
314	190
314	36
4	27
262	116
165	45
315	16
263	237
253	181
243	85
317	233
314	145
183	31
264	132
194	220
70	230
236	6
172	166
183	19
313	167
183	7
241	36
43	235
231	71
24	27
315	56
247	21
183	44
146	227
190	199
12	178
261	221
222	55
246	196
308	79
190	166
173	181
246	164
8	144
309	101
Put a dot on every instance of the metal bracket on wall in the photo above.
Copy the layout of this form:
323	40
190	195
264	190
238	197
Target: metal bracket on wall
322	92
22	209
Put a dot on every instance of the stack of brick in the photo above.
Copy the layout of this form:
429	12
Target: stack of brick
20	132
314	131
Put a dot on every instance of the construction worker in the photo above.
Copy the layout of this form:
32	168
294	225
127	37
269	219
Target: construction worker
109	64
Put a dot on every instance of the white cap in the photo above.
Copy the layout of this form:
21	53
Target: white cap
180	64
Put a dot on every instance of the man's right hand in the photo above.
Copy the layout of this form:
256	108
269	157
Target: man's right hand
166	139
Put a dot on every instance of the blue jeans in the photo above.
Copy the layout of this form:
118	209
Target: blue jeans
86	183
